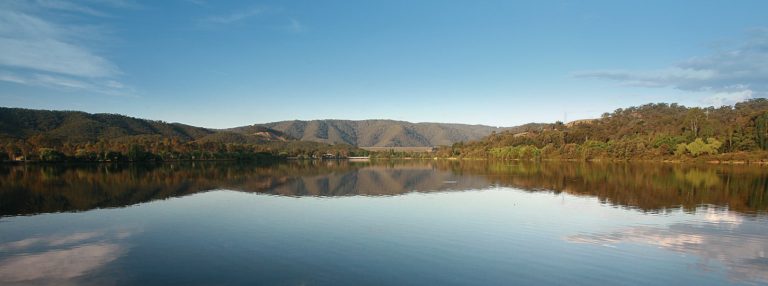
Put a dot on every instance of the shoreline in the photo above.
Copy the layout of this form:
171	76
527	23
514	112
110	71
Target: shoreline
663	161
373	159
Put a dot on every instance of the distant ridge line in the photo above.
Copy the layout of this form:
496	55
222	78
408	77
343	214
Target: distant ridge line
382	132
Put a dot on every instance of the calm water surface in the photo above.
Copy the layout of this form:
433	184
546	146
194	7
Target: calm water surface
407	223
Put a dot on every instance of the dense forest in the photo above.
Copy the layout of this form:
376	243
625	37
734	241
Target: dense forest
41	135
648	132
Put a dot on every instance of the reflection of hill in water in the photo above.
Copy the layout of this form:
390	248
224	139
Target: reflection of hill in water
650	187
377	181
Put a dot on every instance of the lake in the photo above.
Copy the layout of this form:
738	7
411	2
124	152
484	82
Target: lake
390	223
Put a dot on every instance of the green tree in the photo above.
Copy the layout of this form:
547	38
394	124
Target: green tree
761	131
694	117
135	153
699	147
51	155
680	149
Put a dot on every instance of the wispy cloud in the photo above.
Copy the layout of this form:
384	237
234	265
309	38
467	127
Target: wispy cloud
37	50
295	25
69	7
678	77
9	77
725	75
273	18
234	17
124	4
97	85
728	98
197	2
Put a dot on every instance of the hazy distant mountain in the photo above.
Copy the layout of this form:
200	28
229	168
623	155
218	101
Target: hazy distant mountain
79	127
380	133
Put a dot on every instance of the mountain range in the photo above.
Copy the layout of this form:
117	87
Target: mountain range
79	127
376	133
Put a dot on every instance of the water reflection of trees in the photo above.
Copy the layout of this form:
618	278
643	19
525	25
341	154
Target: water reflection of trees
650	187
29	189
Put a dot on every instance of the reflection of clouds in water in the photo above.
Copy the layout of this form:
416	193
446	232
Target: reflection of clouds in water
55	260
49	241
739	244
58	264
649	235
722	217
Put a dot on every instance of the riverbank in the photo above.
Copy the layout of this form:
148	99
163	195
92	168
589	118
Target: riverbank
763	162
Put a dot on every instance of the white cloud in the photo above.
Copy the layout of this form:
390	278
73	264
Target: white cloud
657	78
50	55
234	17
726	75
275	16
114	84
124	4
37	50
12	78
728	98
69	7
108	86
197	2
43	79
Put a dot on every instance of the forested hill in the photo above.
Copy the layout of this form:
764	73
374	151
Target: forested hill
80	127
379	133
651	131
77	127
56	136
647	131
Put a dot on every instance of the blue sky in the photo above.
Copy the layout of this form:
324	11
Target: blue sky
231	63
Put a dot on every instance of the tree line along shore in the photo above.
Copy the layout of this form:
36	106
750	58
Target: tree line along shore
651	132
